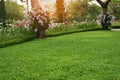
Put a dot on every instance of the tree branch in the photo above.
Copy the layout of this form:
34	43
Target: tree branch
107	2
100	2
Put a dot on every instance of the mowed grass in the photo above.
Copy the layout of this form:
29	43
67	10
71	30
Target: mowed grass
93	55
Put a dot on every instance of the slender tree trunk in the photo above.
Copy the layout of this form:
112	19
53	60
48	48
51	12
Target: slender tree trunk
105	10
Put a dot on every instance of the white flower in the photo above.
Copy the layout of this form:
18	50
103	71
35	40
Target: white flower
98	22
35	30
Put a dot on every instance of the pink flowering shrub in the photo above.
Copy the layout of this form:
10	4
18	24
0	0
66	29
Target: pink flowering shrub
38	21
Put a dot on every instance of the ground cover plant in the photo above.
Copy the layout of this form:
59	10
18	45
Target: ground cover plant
90	55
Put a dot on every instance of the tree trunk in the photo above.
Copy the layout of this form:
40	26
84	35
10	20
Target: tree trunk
60	8
105	10
35	4
41	34
104	6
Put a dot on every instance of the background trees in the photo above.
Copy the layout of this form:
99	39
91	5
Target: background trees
114	6
77	9
83	10
2	12
60	8
14	10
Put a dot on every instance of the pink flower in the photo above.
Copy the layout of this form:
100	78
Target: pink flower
98	22
39	11
45	14
33	19
43	18
37	17
34	14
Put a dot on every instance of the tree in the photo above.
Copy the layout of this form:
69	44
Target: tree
38	19
60	8
77	9
104	5
82	10
14	10
105	19
35	4
114	6
93	11
2	12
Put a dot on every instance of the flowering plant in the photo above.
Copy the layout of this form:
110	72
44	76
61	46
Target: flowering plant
105	20
38	21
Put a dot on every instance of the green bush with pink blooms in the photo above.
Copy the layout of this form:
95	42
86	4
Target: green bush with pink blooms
37	20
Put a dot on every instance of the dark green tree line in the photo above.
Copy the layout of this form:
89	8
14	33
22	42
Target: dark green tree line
2	12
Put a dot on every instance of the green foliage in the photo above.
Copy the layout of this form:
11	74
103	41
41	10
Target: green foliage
13	35
116	23
14	10
93	11
91	55
2	13
114	6
10	36
72	28
82	10
2	10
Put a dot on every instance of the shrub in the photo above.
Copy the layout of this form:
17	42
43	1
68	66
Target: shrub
61	29
38	21
106	20
14	10
13	35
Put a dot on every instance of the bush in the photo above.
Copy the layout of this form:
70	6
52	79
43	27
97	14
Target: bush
14	10
13	35
72	28
38	21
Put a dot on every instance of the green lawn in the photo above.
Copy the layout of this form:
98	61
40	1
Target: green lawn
93	55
